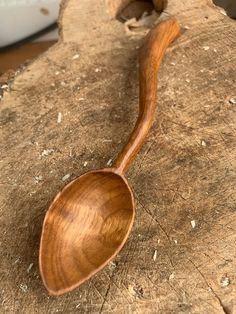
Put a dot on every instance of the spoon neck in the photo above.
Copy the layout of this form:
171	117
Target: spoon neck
150	57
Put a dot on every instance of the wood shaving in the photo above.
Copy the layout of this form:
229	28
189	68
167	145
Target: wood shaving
112	265
16	261
66	177
4	86
136	291
38	179
109	163
29	268
47	152
107	141
154	257
232	100
223	12
203	143
23	287
171	277
225	281
75	57
59	117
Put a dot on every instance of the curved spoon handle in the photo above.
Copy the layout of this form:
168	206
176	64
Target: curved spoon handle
151	55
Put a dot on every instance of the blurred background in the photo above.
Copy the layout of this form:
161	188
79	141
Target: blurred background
27	28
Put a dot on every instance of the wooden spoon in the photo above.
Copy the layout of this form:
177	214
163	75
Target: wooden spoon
89	221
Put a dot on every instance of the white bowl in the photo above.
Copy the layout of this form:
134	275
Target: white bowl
22	18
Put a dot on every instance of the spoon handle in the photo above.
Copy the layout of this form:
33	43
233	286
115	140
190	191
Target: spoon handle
150	58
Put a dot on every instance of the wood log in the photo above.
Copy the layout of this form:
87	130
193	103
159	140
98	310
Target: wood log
72	109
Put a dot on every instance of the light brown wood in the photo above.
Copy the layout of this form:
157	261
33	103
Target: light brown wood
151	55
91	218
184	172
86	225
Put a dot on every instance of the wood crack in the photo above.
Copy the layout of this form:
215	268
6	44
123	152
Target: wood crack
224	309
105	298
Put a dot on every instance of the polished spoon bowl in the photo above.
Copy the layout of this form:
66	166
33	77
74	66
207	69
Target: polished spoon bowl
89	221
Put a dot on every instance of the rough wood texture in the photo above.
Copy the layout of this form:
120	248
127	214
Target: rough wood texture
184	173
89	221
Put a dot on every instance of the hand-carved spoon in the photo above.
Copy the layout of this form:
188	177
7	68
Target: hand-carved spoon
89	221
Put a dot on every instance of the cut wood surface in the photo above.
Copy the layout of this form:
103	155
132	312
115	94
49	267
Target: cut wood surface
72	109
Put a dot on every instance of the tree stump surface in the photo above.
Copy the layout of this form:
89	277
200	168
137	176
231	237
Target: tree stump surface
180	256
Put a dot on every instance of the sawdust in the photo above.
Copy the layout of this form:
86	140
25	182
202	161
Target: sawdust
174	177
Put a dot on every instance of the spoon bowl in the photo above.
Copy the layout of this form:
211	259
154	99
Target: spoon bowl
86	225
